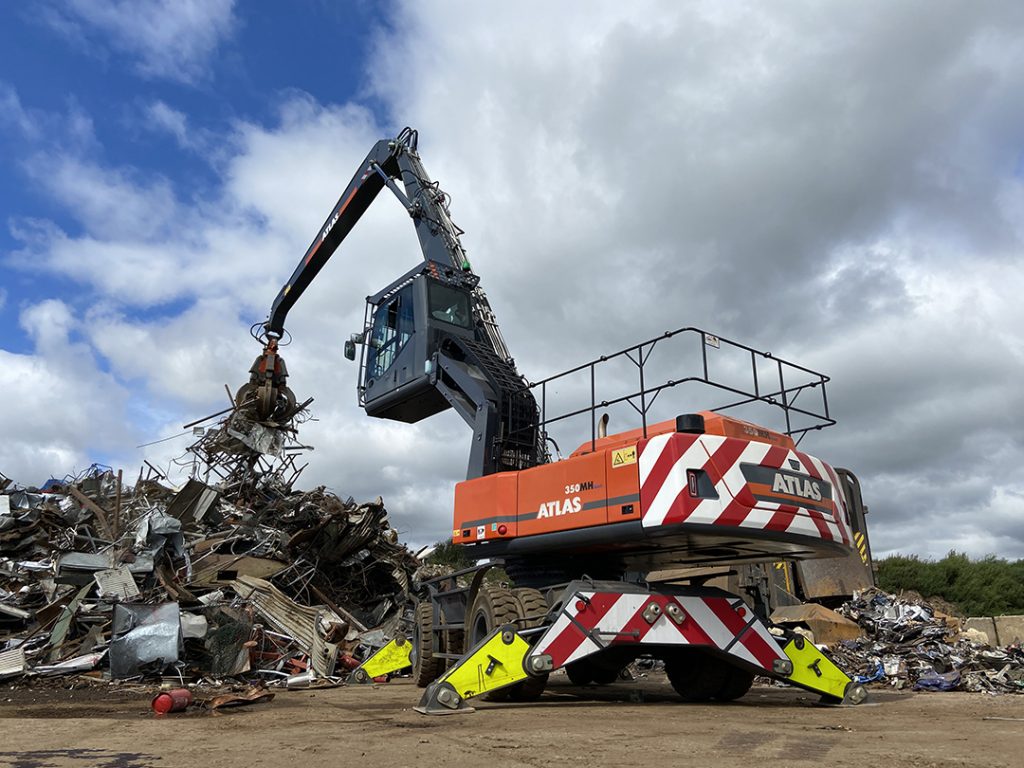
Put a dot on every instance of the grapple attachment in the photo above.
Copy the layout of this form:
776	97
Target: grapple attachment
266	397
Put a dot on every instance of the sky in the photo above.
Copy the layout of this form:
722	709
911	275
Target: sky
839	184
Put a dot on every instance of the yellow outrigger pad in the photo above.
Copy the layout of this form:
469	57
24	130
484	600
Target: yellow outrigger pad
495	663
391	658
814	671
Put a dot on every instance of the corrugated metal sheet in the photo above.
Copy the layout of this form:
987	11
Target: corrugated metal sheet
223	569
117	582
307	626
12	663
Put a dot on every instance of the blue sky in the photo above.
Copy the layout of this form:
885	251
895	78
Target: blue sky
839	184
60	61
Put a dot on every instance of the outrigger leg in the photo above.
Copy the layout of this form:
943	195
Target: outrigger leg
496	662
391	658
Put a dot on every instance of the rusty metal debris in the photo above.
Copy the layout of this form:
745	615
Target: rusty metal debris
254	695
233	575
907	643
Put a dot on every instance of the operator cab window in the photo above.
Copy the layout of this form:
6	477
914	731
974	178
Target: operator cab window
450	305
393	324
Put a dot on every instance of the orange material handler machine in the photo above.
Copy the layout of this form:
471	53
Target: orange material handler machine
578	535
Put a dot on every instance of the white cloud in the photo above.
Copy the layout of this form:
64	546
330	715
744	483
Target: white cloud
72	129
14	114
167	39
162	117
107	202
67	410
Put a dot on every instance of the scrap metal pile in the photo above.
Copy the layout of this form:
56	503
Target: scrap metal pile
233	574
908	643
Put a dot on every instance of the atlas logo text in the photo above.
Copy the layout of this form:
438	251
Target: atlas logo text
563	507
797	486
329	226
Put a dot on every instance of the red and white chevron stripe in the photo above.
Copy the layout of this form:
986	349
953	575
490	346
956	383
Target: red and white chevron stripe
665	500
593	620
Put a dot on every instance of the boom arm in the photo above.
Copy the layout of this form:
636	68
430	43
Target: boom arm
431	341
389	161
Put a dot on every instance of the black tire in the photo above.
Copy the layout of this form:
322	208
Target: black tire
534	608
245	396
286	404
492	607
737	683
266	400
589	670
696	678
605	675
453	641
425	667
580	672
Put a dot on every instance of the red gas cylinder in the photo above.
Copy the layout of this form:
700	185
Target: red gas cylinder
172	701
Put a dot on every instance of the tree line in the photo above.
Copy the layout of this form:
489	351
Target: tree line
990	586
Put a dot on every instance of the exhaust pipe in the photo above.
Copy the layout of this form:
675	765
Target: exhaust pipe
602	426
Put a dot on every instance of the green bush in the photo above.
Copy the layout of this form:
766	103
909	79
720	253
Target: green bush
454	557
447	553
990	586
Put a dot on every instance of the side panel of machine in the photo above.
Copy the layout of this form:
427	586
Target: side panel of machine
740	487
580	492
566	494
485	508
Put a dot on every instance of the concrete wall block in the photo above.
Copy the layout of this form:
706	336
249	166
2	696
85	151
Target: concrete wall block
1009	629
984	624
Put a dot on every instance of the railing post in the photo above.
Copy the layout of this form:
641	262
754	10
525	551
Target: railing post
593	408
643	394
704	354
753	368
785	398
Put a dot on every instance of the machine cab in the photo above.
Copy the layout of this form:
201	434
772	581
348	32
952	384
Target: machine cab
404	327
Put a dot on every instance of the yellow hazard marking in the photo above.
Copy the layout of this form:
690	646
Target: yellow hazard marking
494	663
391	658
623	456
287	288
862	546
781	566
813	671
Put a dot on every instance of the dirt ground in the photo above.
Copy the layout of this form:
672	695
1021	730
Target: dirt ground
626	724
